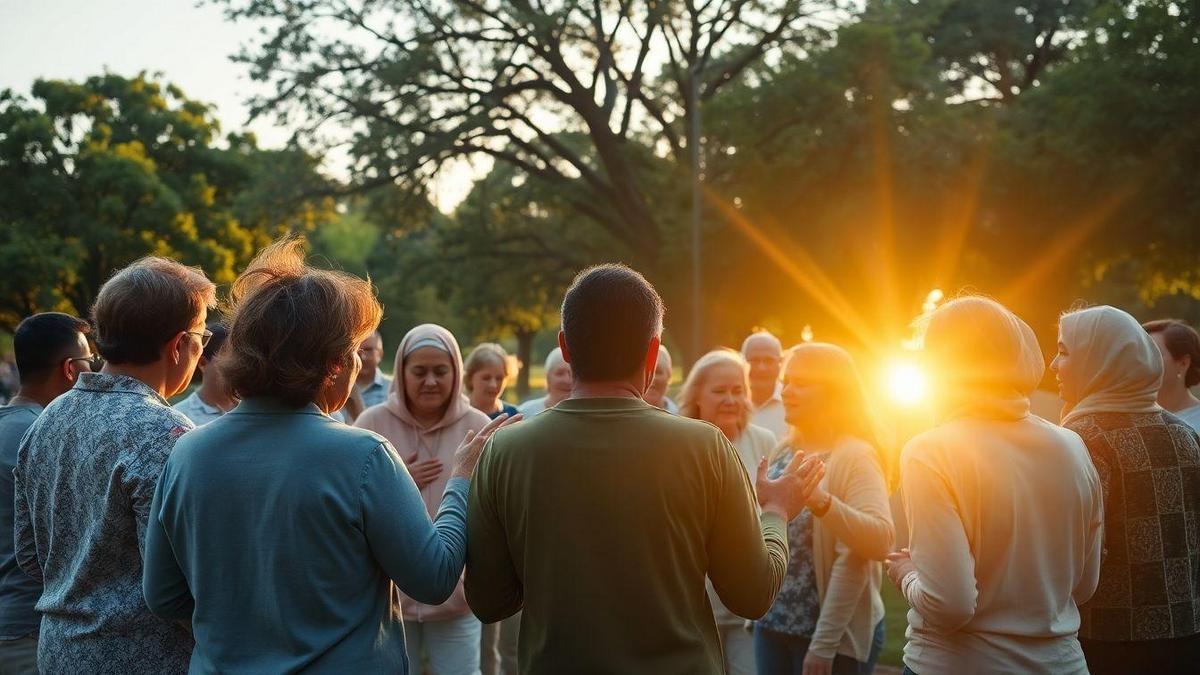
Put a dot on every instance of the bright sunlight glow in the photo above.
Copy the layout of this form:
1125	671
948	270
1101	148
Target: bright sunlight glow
906	383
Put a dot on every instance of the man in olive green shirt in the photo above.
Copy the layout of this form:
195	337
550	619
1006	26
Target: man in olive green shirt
601	517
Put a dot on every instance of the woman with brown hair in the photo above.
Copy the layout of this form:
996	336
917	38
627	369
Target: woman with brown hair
277	532
1180	347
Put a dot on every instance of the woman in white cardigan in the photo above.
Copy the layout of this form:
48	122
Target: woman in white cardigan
828	614
1004	509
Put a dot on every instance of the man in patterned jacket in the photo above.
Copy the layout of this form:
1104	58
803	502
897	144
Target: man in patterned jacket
87	469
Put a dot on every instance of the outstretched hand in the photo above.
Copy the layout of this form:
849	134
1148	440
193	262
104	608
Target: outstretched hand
468	453
788	493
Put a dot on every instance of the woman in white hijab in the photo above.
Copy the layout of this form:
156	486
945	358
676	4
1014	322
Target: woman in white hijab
1003	509
1145	615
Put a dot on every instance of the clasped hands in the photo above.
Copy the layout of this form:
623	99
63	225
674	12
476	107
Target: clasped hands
798	486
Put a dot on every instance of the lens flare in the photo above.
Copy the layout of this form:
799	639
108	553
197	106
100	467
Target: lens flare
906	383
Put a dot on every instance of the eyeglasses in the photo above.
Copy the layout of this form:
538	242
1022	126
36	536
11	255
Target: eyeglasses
204	337
94	362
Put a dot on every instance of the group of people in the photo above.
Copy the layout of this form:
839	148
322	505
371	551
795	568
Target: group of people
301	510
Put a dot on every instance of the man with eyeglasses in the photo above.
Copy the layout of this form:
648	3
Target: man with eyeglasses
51	352
86	472
764	353
371	382
211	399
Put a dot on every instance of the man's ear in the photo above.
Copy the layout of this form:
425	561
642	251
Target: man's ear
562	344
651	360
174	346
68	371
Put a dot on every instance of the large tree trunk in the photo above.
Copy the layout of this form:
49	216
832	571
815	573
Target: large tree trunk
524	355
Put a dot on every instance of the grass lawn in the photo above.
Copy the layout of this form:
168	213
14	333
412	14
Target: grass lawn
895	622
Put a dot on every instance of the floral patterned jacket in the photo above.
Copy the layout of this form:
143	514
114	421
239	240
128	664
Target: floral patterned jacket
84	479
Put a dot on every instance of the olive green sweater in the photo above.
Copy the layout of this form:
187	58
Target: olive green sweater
600	518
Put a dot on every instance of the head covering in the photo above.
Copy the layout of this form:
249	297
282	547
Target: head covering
1115	365
985	360
428	335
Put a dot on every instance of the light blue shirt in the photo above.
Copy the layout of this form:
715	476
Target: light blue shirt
199	412
376	392
279	534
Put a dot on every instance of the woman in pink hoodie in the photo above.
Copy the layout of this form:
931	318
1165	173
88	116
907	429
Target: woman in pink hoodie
425	417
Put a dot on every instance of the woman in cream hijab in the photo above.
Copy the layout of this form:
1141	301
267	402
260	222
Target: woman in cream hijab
1145	615
1003	509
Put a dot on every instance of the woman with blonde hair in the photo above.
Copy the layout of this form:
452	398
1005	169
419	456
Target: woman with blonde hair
486	374
1145	615
1003	507
279	535
717	390
828	617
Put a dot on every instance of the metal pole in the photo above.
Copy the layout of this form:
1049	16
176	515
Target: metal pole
697	275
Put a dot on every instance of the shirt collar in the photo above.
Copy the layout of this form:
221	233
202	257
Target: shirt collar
107	383
776	397
210	409
380	379
598	403
265	405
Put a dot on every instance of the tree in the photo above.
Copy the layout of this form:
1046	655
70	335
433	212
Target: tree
994	50
96	174
500	260
421	83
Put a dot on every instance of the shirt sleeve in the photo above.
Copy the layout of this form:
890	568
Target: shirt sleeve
164	585
747	553
862	517
861	523
1089	577
424	558
494	590
847	580
943	589
24	544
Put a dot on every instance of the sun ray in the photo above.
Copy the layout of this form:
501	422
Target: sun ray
952	238
1067	242
803	270
878	261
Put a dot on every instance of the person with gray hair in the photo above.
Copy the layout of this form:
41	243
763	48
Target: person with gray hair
656	393
558	385
764	352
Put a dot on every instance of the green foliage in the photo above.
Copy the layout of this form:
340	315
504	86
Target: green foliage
96	174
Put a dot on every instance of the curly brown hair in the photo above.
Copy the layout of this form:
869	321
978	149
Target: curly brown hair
291	323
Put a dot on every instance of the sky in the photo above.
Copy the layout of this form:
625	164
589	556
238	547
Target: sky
72	39
189	45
